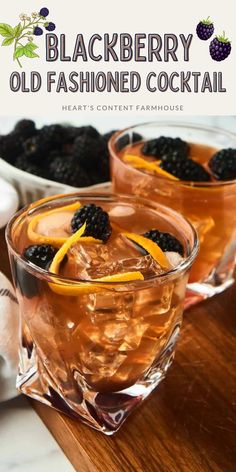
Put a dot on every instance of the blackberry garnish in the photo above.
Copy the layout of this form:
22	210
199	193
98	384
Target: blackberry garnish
67	170
165	146
10	147
96	219
166	241
220	48
25	128
223	164
205	29
41	255
186	169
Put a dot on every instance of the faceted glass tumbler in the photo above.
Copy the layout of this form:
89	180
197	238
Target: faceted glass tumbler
97	355
211	206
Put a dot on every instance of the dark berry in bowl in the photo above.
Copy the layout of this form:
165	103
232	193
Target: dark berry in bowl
96	219
25	128
220	48
166	241
67	170
205	29
164	145
223	164
10	147
186	169
24	163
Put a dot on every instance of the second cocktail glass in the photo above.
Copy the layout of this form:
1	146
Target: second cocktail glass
210	206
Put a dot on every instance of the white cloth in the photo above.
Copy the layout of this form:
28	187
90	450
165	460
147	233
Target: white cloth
9	326
9	202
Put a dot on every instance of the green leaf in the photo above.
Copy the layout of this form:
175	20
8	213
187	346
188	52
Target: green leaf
32	46
28	51
17	31
7	41
19	52
6	30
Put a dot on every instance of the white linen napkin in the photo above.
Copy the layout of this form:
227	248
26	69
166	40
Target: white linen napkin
9	326
9	202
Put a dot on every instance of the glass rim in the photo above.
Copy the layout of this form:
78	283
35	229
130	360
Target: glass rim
49	276
176	124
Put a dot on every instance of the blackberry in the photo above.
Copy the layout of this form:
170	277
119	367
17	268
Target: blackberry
89	131
89	151
66	169
10	147
53	136
38	31
220	48
223	164
44	12
24	163
166	241
41	255
164	146
186	169
107	136
50	26
25	128
127	139
97	222
205	29
36	148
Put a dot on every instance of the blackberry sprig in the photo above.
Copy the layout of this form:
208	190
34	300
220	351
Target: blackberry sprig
29	26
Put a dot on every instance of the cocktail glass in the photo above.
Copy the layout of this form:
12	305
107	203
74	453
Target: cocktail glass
98	352
211	206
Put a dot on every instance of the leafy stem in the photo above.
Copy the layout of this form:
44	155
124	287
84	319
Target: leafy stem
17	58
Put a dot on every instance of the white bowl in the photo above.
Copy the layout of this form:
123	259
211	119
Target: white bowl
31	187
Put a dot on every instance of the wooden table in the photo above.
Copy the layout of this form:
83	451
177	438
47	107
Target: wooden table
189	422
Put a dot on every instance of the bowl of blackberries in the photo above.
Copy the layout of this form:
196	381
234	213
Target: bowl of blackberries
55	158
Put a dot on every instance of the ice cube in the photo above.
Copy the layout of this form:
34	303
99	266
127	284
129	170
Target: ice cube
174	258
118	255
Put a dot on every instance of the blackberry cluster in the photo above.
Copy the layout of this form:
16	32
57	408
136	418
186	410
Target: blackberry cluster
174	156
186	169
96	219
223	164
165	146
76	156
40	255
166	241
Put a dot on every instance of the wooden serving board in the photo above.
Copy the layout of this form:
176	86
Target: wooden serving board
189	422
